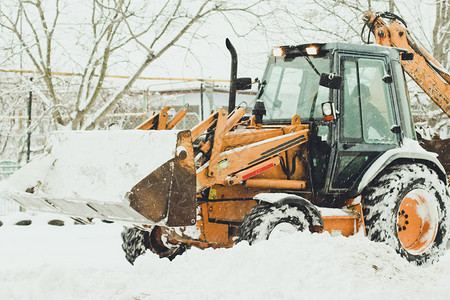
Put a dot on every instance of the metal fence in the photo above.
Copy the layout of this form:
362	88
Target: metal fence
7	167
189	121
6	205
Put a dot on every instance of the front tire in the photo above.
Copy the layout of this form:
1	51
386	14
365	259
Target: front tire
264	219
136	242
406	208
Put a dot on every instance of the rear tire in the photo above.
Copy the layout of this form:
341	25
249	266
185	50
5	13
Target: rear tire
260	223
406	208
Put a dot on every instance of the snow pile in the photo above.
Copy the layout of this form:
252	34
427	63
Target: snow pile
98	165
86	262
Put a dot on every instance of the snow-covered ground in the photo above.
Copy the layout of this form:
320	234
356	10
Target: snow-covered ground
86	262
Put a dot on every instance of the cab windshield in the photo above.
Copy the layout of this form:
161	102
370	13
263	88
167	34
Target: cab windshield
291	87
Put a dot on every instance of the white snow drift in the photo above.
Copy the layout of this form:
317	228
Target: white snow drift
86	262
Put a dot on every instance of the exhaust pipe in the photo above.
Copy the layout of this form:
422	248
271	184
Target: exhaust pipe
233	77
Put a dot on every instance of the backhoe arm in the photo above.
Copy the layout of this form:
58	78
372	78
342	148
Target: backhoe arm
423	68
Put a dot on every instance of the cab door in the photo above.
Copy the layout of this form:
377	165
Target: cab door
366	116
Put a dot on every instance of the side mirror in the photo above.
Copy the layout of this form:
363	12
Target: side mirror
330	80
387	78
328	111
396	128
244	83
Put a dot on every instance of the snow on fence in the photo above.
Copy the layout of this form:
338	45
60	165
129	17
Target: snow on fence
8	206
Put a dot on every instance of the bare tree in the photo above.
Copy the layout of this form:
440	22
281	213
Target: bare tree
328	20
110	28
441	33
102	35
341	20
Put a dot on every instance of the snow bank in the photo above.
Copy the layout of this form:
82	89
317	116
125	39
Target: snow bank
86	262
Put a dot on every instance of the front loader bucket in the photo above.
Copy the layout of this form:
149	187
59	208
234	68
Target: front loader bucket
144	177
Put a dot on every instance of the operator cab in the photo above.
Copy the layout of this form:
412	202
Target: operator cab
354	99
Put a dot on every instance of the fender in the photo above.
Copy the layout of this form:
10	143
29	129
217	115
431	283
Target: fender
410	151
301	203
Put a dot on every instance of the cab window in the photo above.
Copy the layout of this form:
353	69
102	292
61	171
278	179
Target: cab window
367	108
291	87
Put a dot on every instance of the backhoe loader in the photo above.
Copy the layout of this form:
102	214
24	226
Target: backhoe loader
330	146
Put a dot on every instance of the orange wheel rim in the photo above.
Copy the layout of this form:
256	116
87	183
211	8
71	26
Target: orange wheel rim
417	221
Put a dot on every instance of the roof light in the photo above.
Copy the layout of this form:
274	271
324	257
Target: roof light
311	50
278	52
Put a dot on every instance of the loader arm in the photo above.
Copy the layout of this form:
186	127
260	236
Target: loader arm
239	164
422	68
159	121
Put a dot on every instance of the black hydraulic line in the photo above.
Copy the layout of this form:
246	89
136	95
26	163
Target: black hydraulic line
392	16
284	163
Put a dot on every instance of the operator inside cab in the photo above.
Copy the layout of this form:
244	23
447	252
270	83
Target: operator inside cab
373	124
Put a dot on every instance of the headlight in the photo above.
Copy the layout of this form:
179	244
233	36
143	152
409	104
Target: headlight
277	52
311	50
327	109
